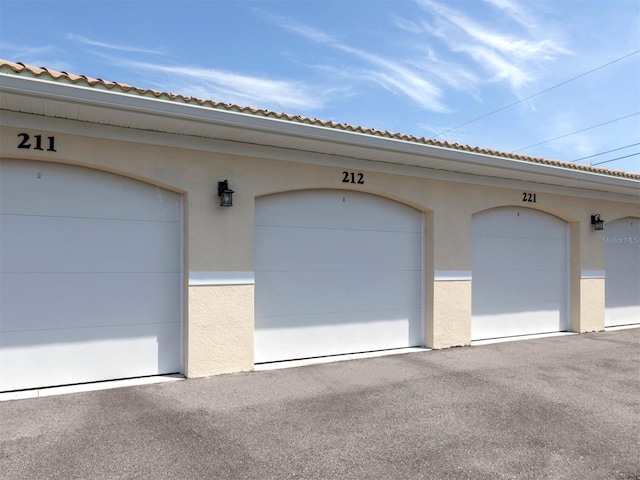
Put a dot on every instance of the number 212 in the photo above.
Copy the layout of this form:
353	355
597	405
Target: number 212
350	177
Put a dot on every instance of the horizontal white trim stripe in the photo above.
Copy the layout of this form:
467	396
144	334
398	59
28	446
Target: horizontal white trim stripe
452	275
593	274
221	278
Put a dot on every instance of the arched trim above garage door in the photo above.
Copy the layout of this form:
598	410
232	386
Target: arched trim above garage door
520	273
92	276
622	271
336	272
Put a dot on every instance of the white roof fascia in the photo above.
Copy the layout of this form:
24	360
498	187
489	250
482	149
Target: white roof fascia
175	109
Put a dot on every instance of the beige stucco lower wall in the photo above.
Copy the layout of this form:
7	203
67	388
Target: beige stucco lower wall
451	324
591	305
219	337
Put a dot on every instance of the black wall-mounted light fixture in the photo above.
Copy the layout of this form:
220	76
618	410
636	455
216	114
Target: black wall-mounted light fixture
225	194
597	222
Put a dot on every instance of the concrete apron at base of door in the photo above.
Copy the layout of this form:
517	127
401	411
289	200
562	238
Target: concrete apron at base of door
335	358
87	387
489	341
90	387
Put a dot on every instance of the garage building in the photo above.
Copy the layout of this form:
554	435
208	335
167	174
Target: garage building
117	259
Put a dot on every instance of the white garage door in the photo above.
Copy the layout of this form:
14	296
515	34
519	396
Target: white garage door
520	278
622	279
90	276
336	272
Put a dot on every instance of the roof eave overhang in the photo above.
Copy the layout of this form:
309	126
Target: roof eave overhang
275	131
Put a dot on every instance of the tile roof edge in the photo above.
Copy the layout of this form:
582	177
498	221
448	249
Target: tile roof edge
47	74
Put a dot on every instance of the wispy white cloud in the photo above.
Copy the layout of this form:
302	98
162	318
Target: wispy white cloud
211	84
401	78
406	25
493	53
508	54
395	76
451	74
45	55
305	31
501	67
516	12
26	50
228	86
112	46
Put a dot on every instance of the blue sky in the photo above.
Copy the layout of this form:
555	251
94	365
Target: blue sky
558	79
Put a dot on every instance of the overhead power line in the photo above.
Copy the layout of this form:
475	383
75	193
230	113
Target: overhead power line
539	93
604	153
578	131
614	159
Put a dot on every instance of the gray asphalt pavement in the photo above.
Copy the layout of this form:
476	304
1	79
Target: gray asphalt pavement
555	408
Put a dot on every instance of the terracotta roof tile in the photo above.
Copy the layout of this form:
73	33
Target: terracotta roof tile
64	77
